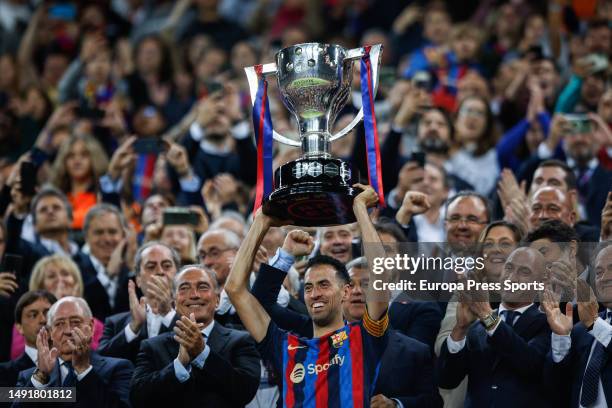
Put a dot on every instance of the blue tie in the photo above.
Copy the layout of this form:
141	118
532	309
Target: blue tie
71	378
590	382
510	316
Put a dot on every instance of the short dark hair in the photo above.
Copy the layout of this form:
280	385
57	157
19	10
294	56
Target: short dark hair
50	191
470	193
447	119
516	231
556	231
341	272
570	177
30	297
386	226
598	23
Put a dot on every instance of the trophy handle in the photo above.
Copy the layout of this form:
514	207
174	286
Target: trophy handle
357	53
267	69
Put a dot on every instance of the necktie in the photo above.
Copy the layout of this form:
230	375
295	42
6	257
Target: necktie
584	175
590	382
511	315
70	380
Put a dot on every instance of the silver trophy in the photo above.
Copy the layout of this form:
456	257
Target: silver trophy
315	83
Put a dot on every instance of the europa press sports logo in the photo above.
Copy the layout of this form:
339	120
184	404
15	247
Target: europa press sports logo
298	373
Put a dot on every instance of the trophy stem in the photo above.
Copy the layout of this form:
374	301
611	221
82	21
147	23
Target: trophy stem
316	145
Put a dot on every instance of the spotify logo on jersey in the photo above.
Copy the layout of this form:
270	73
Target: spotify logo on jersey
298	373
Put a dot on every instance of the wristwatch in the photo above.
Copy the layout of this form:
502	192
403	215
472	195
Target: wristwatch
40	376
490	320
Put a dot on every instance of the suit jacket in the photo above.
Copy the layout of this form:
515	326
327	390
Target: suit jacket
229	377
407	373
505	369
96	295
9	371
106	385
565	377
113	342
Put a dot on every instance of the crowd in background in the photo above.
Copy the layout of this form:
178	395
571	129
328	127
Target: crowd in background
127	153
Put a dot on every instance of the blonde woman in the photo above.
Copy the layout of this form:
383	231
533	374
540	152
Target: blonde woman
80	162
60	276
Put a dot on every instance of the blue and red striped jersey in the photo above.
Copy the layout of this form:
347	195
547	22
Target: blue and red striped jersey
338	369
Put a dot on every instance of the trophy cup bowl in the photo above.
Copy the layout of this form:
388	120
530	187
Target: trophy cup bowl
314	81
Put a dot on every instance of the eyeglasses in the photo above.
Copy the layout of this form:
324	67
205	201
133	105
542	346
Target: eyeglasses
213	253
469	220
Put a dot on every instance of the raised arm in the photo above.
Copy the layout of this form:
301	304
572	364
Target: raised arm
373	248
251	312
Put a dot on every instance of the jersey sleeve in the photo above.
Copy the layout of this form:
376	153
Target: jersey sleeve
270	348
376	328
375	334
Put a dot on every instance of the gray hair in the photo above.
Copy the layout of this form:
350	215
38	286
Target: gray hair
78	300
99	210
361	263
176	258
232	240
229	215
211	274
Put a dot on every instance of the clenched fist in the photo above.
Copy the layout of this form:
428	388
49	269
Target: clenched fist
298	243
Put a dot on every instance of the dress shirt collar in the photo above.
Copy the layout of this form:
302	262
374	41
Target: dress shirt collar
32	353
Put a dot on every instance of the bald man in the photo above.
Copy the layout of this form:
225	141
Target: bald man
553	203
502	351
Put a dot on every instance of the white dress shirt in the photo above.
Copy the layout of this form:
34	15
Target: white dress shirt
457	346
560	345
109	284
154	322
32	353
63	374
183	373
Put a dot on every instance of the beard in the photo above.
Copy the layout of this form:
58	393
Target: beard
433	144
216	137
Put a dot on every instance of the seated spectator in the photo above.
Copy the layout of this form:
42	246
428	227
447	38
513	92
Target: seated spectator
61	277
201	363
496	242
152	314
578	366
502	352
475	161
550	203
64	358
52	219
30	317
105	281
181	238
80	162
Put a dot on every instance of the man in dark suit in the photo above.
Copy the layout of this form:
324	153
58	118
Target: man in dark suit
579	155
552	203
579	364
155	265
502	354
30	316
105	282
414	387
99	381
201	364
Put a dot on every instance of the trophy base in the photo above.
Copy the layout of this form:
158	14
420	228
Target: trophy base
313	192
